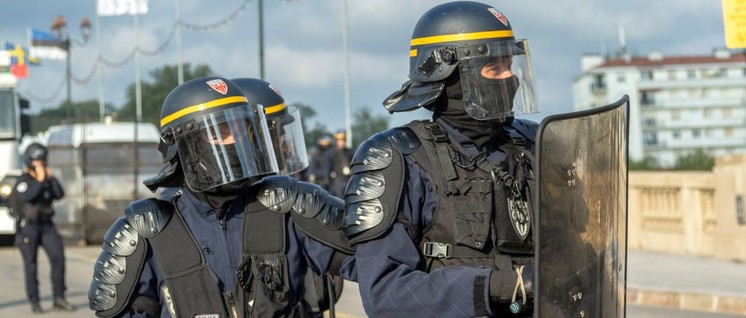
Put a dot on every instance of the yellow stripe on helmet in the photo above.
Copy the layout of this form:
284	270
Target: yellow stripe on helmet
203	106
413	53
461	37
273	109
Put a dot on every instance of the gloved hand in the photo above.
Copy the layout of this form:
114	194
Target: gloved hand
514	287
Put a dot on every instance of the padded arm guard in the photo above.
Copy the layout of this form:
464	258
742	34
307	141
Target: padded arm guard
375	187
117	269
316	212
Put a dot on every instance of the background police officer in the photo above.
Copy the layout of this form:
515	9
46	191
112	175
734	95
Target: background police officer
316	163
34	192
440	210
336	164
235	239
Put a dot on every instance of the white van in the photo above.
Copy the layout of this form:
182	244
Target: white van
96	164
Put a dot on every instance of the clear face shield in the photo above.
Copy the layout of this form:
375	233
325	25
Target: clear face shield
224	146
288	141
496	80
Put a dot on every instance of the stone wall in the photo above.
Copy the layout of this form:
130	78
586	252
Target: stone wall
691	213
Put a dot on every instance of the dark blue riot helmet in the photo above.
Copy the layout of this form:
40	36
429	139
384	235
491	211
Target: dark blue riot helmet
211	135
473	42
35	151
283	122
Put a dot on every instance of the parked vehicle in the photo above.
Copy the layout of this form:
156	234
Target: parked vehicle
13	125
101	173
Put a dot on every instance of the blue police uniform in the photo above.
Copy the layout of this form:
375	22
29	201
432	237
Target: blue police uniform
219	241
336	169
33	206
393	260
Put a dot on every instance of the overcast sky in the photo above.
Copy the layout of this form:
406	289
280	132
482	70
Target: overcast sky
304	53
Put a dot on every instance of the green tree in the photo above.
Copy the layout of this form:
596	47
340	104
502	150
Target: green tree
647	163
697	160
366	124
155	92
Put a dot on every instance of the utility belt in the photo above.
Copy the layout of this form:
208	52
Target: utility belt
38	222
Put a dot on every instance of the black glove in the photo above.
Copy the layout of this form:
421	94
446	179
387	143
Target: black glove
513	287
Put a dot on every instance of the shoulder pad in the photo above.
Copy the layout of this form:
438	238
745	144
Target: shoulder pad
277	193
147	216
526	128
374	190
123	252
168	194
376	152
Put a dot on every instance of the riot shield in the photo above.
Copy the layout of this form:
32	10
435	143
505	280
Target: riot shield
581	233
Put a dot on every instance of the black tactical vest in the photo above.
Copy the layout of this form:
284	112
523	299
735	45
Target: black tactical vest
192	287
483	216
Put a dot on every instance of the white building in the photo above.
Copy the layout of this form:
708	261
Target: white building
678	104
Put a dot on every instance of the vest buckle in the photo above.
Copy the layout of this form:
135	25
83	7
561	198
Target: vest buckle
437	133
437	250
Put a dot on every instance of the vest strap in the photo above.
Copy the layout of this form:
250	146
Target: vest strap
441	145
444	250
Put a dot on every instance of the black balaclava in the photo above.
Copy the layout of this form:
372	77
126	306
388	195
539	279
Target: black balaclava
219	196
454	114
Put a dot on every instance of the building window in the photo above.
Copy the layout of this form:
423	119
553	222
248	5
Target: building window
676	134
676	114
729	132
621	78
647	98
598	83
646	75
708	113
672	75
726	112
650	139
696	133
649	122
692	74
721	73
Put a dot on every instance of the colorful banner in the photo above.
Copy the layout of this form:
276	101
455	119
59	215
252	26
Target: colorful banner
19	60
121	7
45	45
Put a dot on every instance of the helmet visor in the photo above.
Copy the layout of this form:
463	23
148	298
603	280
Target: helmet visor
224	146
289	144
498	82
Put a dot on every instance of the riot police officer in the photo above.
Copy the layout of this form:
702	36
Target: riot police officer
316	164
284	124
33	194
286	132
336	164
439	210
234	239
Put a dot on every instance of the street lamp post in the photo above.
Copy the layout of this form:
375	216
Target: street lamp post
59	29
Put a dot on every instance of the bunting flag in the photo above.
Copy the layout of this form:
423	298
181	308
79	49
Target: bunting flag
19	60
45	45
121	7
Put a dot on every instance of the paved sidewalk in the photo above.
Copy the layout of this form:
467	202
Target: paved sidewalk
686	282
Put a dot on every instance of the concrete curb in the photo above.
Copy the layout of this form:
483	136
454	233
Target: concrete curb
731	304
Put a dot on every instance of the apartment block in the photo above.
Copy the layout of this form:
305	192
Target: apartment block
678	104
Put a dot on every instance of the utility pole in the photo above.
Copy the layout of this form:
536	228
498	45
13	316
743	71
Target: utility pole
59	29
